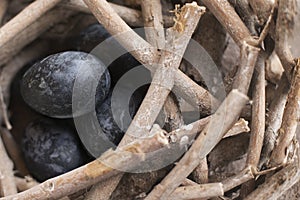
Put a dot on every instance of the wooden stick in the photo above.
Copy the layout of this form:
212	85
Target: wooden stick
274	120
198	191
208	138
227	16
25	18
30	33
147	55
289	121
277	184
257	124
244	74
284	25
7	182
258	115
240	127
3	109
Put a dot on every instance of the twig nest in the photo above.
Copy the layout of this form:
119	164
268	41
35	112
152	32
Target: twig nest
51	148
47	86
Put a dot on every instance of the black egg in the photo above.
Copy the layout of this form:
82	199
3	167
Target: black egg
51	148
49	84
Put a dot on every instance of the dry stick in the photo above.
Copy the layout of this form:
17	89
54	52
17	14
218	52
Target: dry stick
7	182
244	74
3	8
274	120
143	51
222	121
277	184
230	20
284	26
257	123
96	171
198	191
289	121
25	18
130	16
31	32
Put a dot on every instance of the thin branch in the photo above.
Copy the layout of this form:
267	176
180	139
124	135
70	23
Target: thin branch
25	18
7	182
257	123
238	179
30	33
274	120
200	173
284	26
289	121
198	191
244	74
208	138
277	184
230	20
3	109
147	55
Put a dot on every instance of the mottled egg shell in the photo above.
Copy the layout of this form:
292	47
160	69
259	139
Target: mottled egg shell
48	85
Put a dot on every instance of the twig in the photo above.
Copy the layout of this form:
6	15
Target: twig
277	184
244	74
148	56
198	191
3	8
200	173
130	16
7	182
208	138
24	19
257	123
30	33
289	121
227	16
274	120
284	25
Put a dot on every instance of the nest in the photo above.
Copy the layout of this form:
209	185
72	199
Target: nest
216	156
